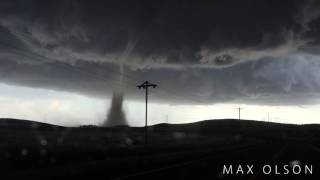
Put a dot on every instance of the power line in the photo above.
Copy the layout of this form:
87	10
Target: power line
105	77
42	59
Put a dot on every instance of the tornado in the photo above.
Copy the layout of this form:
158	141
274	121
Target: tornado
116	116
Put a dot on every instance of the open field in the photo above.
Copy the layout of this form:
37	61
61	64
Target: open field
31	150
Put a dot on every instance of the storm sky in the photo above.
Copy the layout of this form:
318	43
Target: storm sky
201	53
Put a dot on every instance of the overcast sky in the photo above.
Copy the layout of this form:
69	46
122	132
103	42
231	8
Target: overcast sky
61	60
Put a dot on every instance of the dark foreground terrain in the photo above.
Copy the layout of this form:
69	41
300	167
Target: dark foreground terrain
30	150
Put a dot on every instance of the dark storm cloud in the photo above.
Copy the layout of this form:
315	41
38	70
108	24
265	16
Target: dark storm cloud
164	32
292	80
198	51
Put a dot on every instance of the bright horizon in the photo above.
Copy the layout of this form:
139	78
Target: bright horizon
68	109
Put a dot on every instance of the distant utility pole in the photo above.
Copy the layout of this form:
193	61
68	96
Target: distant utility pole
239	109
145	86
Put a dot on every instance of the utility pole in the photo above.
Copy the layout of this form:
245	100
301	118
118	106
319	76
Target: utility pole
239	109
145	86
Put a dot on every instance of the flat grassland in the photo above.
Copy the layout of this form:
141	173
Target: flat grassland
32	150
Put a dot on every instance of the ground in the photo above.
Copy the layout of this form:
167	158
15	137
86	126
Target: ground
31	150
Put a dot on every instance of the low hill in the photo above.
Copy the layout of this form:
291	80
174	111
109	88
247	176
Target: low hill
24	124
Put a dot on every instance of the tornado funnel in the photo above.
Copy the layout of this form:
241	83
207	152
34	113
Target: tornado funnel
116	115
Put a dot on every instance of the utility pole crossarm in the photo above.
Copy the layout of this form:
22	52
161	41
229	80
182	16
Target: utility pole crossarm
146	85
